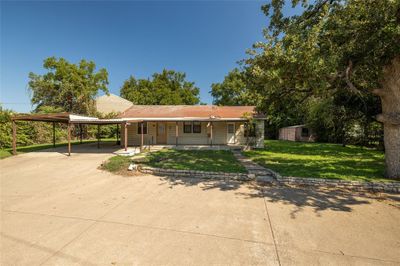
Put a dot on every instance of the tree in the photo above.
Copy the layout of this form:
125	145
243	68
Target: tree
233	90
332	45
165	88
71	87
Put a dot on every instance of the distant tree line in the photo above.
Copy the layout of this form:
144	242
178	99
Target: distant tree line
69	87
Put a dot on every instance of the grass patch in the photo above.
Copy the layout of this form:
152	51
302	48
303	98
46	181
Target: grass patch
4	153
117	163
202	160
321	160
210	161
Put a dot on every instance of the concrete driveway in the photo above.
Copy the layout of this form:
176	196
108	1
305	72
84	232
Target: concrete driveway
59	210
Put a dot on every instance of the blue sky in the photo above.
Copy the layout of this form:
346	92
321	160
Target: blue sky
205	39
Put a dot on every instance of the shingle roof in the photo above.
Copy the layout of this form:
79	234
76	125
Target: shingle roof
188	111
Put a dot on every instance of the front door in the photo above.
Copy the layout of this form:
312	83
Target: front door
161	133
230	133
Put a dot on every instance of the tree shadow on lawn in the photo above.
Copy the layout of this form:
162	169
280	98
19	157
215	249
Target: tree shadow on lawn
296	198
322	149
347	169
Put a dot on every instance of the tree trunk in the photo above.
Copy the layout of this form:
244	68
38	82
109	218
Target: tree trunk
390	117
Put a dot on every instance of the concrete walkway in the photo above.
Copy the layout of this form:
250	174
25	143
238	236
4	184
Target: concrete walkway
60	210
261	173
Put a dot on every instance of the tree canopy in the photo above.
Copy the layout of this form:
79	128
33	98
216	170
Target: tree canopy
166	88
233	90
335	53
71	87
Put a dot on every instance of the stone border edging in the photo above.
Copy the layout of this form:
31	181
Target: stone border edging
196	173
392	187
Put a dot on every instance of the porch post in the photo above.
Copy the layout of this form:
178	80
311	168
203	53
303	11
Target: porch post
69	139
14	135
211	133
141	139
54	134
117	133
176	133
126	136
80	133
98	136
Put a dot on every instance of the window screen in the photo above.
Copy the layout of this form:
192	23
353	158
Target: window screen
196	127
187	127
139	130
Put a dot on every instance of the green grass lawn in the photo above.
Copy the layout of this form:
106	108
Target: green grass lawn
203	160
117	163
320	160
211	161
4	153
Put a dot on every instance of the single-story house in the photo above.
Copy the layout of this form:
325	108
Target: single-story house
297	133
142	125
192	125
111	103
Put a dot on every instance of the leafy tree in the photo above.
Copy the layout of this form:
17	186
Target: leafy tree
71	87
334	44
233	90
165	88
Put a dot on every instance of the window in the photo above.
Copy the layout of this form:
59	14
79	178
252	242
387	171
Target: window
196	127
231	128
139	130
304	132
250	130
187	127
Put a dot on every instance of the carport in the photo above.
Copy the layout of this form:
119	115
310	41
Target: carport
69	119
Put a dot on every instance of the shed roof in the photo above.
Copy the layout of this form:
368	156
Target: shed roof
182	112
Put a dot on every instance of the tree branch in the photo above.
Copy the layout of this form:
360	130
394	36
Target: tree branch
347	75
389	118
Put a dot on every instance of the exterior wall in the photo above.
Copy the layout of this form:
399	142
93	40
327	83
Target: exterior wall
135	139
294	134
287	133
203	138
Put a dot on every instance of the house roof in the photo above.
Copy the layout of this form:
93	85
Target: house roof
188	112
112	104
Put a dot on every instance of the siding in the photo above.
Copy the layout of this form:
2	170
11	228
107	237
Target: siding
219	134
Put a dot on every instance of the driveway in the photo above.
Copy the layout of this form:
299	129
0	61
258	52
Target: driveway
63	210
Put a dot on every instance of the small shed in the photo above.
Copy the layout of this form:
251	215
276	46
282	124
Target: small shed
297	133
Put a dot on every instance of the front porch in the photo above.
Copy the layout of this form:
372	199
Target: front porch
132	150
215	135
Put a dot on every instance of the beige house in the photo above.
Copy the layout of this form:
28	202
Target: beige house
112	104
297	133
191	125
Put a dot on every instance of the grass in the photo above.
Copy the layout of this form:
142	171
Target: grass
202	160
117	163
210	161
4	153
321	160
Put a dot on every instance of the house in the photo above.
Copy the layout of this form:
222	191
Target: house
297	133
111	104
192	125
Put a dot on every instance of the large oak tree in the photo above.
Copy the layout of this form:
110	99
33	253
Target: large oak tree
334	45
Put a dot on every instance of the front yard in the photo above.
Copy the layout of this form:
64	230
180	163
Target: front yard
320	160
202	160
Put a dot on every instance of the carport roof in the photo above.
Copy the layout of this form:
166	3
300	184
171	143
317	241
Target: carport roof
66	118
